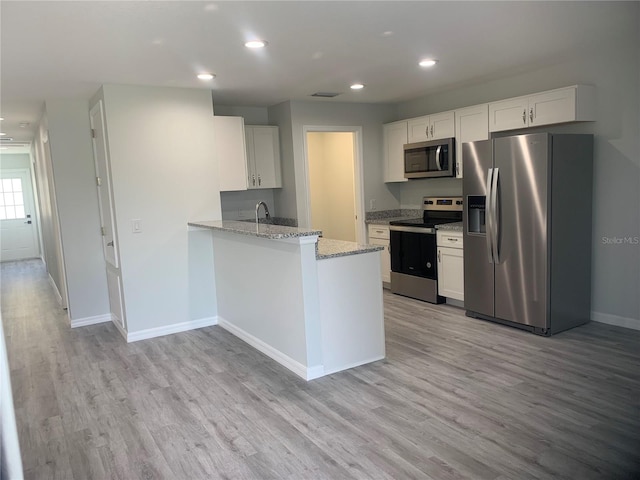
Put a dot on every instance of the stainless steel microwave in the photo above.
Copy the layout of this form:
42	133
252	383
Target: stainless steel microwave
430	159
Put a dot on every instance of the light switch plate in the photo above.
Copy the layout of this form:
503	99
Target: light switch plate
136	225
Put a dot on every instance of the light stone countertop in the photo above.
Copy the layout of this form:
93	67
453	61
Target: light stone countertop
263	230
327	248
451	227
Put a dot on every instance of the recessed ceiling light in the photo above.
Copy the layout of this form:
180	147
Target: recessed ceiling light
428	62
2	133
1	118
206	76
357	86
256	44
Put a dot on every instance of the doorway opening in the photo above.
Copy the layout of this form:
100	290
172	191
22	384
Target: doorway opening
334	193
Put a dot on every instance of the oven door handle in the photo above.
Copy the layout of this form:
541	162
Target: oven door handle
489	216
403	228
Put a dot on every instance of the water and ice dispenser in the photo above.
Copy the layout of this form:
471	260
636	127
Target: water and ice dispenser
476	205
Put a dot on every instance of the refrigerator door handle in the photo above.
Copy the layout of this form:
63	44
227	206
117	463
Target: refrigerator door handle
494	216
489	219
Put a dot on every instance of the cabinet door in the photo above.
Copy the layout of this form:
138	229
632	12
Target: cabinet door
231	152
385	258
442	125
556	106
451	273
472	123
508	114
418	129
264	157
394	139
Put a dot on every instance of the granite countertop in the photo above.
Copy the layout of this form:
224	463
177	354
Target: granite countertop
262	230
383	217
327	248
451	227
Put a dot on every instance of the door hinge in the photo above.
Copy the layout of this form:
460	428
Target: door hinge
98	181
93	133
102	231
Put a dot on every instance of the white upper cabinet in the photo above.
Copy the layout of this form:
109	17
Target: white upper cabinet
570	104
394	139
248	156
263	157
231	153
431	127
472	124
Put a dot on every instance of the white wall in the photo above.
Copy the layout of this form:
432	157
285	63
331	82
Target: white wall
331	184
164	173
285	197
612	65
14	161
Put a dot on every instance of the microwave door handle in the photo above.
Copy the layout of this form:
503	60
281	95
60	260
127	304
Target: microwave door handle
438	164
489	219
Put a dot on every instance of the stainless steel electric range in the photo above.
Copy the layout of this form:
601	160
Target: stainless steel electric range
414	266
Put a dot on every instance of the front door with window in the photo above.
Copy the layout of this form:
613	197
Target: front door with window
18	234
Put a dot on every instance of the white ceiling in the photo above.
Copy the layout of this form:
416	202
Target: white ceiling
67	49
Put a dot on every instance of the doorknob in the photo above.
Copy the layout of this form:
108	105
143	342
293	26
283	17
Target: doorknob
28	221
110	244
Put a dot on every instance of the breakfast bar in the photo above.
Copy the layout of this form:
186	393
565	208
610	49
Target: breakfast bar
312	304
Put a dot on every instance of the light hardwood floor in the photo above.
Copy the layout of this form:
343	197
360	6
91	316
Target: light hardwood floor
456	398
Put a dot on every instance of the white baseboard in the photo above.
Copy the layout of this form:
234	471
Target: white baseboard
169	329
56	292
307	373
83	322
618	321
341	368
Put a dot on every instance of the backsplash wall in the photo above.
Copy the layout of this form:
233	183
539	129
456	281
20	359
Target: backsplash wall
242	205
411	192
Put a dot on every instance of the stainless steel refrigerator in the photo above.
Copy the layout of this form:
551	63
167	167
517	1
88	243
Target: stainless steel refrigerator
527	230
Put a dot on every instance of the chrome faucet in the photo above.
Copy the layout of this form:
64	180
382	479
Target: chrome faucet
266	211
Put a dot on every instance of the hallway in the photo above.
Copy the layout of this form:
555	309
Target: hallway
456	398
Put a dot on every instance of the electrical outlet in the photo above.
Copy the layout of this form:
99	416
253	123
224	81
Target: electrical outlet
372	204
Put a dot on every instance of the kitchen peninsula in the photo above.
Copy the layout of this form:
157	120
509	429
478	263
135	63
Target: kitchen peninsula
313	305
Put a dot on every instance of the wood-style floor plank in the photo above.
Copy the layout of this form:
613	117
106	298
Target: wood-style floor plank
456	398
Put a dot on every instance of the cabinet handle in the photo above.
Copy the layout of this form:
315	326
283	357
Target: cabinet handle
524	116
259	180
531	115
431	130
439	259
254	180
452	239
457	169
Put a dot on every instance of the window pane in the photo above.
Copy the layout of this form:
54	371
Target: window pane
6	184
1	198
20	212
3	214
18	199
8	198
11	213
17	184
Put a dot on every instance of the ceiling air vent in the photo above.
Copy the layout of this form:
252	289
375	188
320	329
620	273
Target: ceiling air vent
325	94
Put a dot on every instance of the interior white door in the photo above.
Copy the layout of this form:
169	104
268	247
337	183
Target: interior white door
18	234
103	181
107	216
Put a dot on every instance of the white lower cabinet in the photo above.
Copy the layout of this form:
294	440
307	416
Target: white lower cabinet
379	235
450	264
